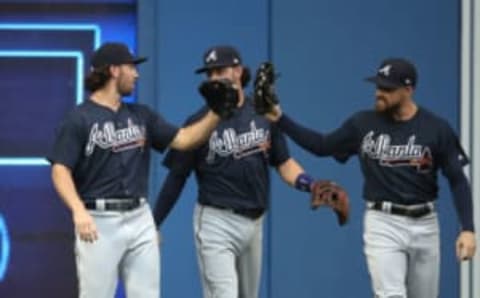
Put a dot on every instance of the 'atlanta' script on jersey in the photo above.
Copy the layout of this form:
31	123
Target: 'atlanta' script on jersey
118	139
409	154
240	145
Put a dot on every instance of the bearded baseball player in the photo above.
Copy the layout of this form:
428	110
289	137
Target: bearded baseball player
401	147
100	163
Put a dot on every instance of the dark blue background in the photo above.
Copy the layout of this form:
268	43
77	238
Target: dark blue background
28	120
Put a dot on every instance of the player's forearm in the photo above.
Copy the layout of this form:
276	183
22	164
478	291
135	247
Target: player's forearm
289	171
195	134
65	187
168	196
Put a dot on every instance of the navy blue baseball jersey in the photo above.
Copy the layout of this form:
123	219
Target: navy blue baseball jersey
399	159
108	152
232	168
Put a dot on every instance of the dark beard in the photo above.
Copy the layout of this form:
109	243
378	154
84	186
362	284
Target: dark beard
392	110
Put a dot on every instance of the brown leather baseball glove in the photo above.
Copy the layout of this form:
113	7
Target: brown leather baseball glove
330	194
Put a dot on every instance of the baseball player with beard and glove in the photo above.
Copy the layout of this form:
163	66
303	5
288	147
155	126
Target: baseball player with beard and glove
232	171
100	163
401	147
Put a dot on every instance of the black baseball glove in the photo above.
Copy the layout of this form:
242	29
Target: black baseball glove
264	96
221	96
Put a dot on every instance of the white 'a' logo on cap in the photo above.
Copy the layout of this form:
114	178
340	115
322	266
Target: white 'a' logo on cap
211	57
385	70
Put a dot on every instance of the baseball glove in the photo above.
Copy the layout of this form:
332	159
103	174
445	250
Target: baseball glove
221	96
330	194
264	96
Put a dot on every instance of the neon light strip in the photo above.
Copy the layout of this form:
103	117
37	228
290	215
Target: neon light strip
24	161
57	27
79	93
5	248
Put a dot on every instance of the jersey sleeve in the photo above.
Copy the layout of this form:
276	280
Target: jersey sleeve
183	162
451	154
160	131
279	152
70	141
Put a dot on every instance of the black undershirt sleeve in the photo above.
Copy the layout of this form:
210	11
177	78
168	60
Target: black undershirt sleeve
308	139
168	196
452	158
341	143
462	197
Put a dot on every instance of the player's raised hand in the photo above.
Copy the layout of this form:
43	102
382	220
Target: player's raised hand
85	225
465	245
274	114
264	97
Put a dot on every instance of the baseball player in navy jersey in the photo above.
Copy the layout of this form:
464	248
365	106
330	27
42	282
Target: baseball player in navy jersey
401	146
232	172
100	163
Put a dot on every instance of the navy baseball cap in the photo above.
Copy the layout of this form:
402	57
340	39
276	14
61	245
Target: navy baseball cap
394	73
220	56
114	53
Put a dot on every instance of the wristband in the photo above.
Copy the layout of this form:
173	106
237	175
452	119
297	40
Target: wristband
303	182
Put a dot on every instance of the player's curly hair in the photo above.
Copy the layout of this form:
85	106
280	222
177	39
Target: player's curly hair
97	78
246	76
